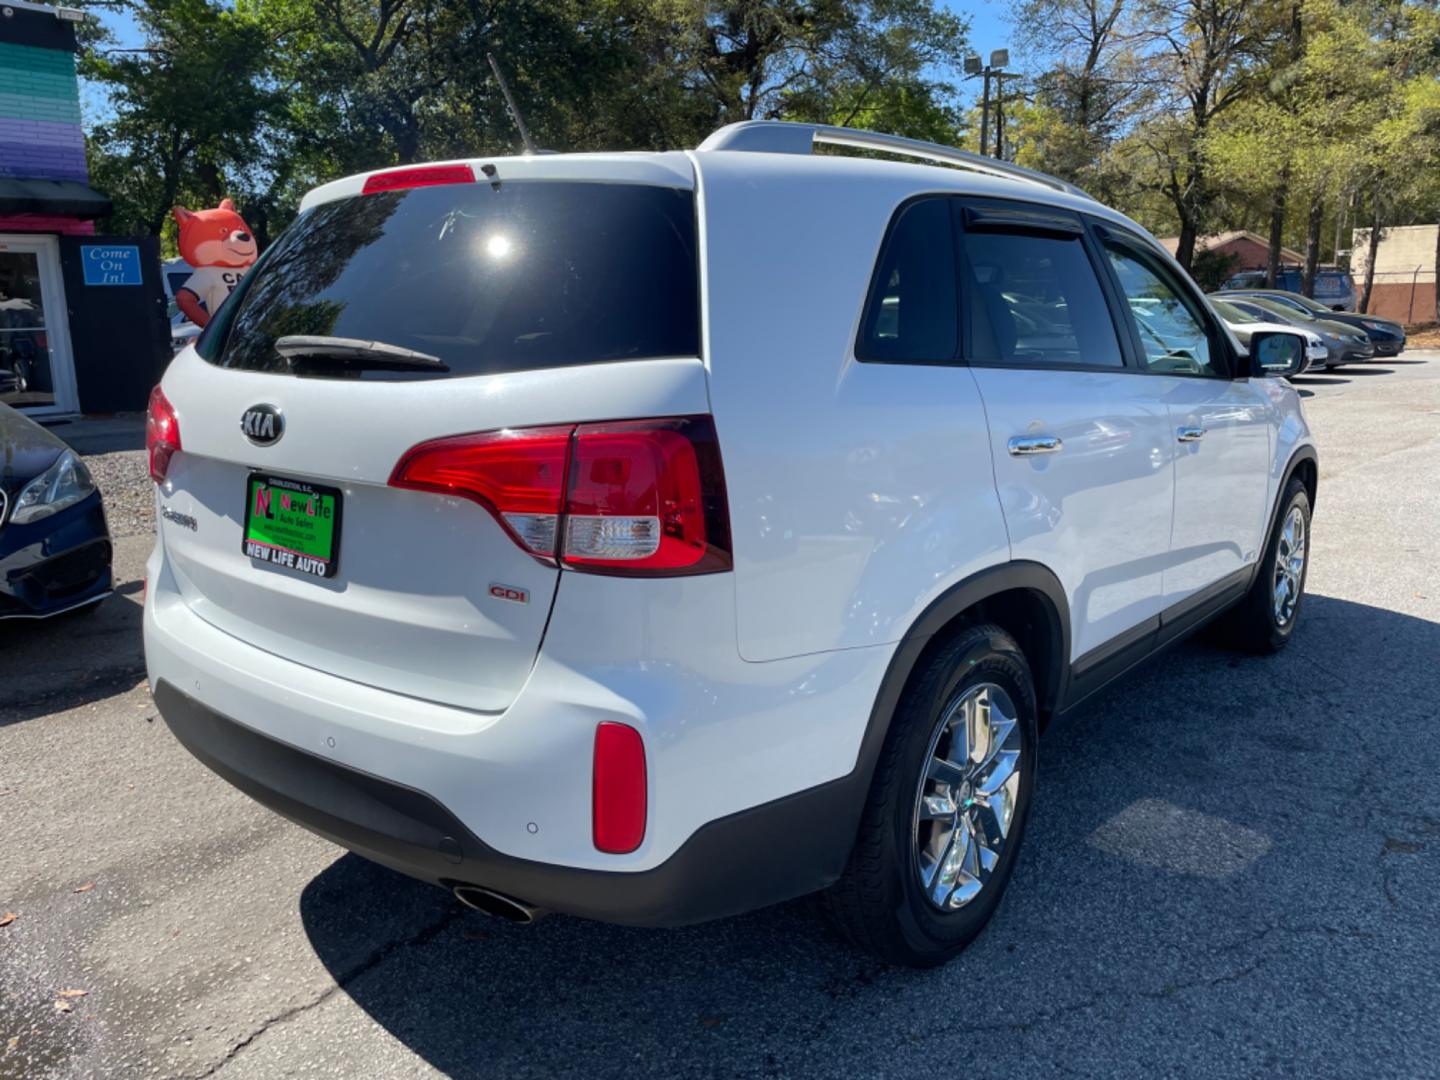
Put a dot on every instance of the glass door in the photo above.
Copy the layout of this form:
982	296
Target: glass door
35	364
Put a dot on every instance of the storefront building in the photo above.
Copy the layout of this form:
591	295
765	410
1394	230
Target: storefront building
82	316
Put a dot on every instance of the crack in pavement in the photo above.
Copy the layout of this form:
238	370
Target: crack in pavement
364	967
1169	989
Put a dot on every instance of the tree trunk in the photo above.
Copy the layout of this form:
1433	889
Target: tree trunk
257	216
1374	246
1185	248
1312	246
210	181
1436	267
155	221
1277	229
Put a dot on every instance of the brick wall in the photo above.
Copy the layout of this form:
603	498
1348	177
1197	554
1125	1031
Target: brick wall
1405	302
40	134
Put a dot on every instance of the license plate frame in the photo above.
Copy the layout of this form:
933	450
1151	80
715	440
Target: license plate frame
282	543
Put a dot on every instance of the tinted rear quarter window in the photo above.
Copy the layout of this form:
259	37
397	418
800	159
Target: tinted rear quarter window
911	314
536	274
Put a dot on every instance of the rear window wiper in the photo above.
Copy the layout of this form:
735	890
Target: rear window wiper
354	353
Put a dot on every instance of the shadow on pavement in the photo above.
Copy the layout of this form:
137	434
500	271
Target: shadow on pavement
52	665
1317	379
1201	834
103	434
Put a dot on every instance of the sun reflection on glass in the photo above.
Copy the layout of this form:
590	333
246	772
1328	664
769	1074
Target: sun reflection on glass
498	246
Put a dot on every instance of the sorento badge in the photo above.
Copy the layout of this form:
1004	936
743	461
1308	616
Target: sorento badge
263	424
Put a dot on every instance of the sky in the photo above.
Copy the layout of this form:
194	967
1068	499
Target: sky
988	28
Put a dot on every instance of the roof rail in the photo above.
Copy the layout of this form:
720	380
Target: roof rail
784	137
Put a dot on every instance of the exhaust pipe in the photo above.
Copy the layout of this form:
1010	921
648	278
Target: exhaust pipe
497	904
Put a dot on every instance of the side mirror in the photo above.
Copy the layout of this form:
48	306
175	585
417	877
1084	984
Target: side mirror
1277	354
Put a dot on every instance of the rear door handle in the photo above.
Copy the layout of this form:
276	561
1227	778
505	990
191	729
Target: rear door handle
1025	445
1190	434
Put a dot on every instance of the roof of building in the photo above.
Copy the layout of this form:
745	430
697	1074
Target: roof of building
1205	243
66	198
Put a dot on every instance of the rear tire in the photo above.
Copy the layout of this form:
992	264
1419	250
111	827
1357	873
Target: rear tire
1265	620
942	826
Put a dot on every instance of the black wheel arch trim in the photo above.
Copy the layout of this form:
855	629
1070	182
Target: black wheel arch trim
941	613
1306	453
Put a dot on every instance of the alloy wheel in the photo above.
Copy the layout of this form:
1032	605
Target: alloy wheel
1289	566
967	795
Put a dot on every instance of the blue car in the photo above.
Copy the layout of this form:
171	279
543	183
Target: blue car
54	544
1334	289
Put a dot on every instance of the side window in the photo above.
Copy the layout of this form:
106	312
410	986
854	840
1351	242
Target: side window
911	314
1173	337
1035	300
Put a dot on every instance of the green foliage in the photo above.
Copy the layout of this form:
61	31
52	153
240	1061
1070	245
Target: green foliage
1192	115
263	99
1211	269
185	109
1198	116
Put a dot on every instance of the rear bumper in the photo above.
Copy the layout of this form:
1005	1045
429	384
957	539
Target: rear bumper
56	564
757	857
753	769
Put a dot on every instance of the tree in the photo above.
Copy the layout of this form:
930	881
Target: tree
186	104
823	60
1093	82
1201	67
263	99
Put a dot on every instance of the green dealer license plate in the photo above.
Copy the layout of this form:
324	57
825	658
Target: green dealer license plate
292	524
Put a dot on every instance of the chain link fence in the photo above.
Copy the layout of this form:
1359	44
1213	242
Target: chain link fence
1405	295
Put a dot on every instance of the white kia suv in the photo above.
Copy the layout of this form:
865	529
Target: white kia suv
653	537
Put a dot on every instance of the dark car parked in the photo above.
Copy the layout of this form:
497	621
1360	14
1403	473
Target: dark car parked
1345	344
1387	336
54	545
1335	289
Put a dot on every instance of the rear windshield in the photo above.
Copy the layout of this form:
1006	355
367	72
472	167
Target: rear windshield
536	274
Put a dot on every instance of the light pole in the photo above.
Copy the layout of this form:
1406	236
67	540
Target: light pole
999	60
1000	77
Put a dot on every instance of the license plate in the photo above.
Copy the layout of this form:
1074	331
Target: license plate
292	524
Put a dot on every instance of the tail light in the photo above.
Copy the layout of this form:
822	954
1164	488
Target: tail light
636	498
519	476
420	176
618	805
162	434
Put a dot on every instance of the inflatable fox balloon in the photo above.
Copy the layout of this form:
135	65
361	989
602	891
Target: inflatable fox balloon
219	245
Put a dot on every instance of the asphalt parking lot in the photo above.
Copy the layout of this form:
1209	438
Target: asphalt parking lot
1233	869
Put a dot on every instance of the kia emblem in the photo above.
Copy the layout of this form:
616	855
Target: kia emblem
263	424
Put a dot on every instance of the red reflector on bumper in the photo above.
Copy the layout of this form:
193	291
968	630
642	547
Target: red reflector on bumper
619	788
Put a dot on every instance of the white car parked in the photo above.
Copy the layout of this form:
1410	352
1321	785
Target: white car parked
653	537
1242	324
